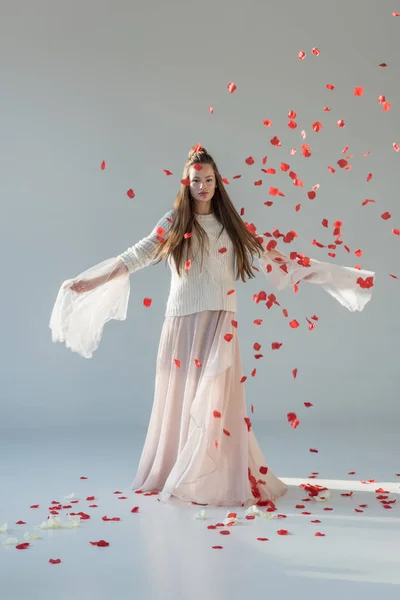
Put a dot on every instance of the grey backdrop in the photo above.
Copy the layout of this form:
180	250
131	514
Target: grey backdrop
131	83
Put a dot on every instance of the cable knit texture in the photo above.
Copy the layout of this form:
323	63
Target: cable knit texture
211	288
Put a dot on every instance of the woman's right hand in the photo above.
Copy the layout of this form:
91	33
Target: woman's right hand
81	286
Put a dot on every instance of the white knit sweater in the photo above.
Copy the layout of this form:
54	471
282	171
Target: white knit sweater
212	288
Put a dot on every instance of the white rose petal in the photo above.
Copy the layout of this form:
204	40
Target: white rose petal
253	510
30	537
10	542
69	497
227	521
323	498
4	528
201	515
56	523
269	516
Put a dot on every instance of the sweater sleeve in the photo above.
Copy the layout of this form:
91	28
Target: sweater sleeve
140	255
349	286
78	319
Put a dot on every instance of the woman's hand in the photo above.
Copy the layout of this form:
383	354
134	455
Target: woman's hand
82	285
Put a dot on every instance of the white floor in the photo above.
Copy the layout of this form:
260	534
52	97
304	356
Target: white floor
163	551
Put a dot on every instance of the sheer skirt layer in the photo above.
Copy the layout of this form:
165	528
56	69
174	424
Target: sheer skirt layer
200	445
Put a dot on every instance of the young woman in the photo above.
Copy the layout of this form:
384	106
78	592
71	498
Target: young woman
200	446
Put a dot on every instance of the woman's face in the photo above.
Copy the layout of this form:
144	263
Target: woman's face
202	184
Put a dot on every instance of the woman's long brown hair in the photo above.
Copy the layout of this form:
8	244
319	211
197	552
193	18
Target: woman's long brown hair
245	243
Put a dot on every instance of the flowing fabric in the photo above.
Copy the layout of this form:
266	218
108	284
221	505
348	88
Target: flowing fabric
79	319
349	286
200	445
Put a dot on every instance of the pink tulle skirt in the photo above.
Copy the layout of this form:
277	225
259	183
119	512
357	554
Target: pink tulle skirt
200	446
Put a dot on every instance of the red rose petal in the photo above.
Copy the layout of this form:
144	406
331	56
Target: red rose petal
275	141
23	546
342	163
100	544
